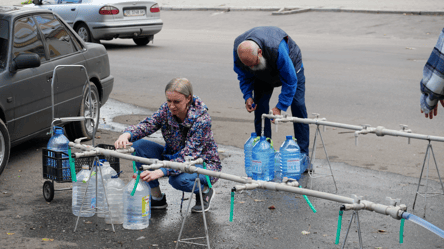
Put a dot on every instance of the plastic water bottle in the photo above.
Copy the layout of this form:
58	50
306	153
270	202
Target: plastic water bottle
78	191
98	190
107	172
58	142
248	151
136	209
290	159
277	167
114	191
262	160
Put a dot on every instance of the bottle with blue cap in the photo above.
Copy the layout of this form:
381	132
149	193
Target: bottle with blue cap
290	160
262	160
248	153
60	143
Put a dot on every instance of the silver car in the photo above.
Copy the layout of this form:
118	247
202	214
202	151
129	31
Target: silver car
96	20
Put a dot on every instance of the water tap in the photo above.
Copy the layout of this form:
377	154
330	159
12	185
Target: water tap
405	128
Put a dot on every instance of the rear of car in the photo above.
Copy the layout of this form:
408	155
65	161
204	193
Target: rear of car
96	20
125	19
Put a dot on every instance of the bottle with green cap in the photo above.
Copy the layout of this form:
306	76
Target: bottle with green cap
136	208
78	191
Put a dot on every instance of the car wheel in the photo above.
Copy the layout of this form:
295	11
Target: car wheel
142	41
86	128
48	191
5	146
84	33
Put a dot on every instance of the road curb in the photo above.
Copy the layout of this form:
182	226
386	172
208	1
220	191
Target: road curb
297	10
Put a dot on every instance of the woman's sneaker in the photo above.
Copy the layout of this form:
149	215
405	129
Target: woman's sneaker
159	204
207	198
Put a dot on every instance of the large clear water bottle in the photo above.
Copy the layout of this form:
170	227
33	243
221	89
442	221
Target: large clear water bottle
290	159
98	193
114	191
248	152
262	160
136	209
58	142
107	172
277	167
78	193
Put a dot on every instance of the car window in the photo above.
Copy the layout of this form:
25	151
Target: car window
58	40
4	31
68	1
27	39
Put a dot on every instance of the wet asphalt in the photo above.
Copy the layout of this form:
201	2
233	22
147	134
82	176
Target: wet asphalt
261	218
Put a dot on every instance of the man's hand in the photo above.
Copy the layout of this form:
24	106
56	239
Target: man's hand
123	141
434	112
275	111
151	175
249	105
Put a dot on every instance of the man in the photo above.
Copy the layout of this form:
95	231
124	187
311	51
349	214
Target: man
432	83
265	58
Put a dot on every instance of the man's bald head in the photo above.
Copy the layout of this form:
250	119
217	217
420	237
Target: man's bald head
248	53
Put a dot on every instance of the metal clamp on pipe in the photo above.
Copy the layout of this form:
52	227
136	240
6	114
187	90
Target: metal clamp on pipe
290	182
246	187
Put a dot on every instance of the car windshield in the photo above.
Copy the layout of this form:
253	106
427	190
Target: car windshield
4	31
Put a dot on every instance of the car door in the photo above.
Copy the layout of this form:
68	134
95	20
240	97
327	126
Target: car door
70	78
67	10
29	93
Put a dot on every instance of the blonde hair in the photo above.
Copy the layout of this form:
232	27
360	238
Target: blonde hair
180	85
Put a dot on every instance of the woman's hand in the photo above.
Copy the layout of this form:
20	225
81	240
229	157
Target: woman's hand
151	175
123	141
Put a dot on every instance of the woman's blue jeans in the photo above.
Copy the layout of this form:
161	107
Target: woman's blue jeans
183	182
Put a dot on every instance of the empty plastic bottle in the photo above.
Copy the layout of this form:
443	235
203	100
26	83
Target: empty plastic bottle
136	209
248	151
263	159
290	159
58	142
98	193
78	193
114	191
107	172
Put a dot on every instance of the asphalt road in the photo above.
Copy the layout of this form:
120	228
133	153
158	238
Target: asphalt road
360	69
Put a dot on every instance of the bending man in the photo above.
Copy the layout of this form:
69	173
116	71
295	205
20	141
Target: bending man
265	58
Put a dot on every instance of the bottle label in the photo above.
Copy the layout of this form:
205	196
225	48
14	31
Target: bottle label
257	166
93	202
145	206
293	166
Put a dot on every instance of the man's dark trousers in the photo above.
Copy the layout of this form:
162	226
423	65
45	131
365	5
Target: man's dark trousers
262	94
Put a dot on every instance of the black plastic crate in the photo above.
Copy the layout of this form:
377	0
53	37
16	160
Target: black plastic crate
56	165
113	161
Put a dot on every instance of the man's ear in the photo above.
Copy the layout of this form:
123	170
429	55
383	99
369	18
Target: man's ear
259	52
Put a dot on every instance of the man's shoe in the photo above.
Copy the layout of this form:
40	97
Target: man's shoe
206	201
159	204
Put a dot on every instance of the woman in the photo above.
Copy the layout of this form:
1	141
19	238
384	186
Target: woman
186	129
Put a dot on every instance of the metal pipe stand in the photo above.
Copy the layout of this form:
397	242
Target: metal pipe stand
426	193
359	229
311	171
187	241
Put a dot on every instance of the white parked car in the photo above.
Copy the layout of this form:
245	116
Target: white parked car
96	20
